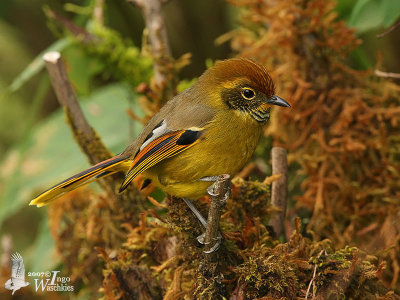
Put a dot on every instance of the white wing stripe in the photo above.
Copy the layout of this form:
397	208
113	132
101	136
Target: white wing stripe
157	132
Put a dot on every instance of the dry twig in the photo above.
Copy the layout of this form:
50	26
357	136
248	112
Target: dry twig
217	202
64	92
387	74
279	188
77	31
157	31
312	281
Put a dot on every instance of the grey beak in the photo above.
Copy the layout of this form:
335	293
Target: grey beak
275	100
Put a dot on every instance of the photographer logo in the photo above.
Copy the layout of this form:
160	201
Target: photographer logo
17	279
49	281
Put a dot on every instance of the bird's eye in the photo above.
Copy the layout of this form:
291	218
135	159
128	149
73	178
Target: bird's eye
248	93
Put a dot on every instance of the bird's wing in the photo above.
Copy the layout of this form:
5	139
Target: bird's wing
176	128
163	147
182	112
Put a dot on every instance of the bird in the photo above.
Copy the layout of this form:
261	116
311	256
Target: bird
209	129
17	279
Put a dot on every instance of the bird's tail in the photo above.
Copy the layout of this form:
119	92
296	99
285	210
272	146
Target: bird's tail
100	170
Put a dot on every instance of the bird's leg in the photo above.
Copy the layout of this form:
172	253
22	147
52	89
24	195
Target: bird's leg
199	216
195	211
203	222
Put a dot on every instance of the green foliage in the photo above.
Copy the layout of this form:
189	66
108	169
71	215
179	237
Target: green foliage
38	255
82	69
119	57
373	14
15	55
52	154
14	105
37	64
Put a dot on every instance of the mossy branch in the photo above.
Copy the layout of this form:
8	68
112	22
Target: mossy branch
209	282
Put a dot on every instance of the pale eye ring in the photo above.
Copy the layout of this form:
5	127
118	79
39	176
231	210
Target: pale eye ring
248	93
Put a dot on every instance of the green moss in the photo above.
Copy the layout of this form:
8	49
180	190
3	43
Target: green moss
346	273
268	275
121	58
250	198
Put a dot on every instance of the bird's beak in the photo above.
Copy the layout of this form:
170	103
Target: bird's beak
275	100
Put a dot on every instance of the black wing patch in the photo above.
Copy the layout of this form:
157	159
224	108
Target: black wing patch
188	137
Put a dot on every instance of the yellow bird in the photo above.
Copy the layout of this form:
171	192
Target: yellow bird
212	128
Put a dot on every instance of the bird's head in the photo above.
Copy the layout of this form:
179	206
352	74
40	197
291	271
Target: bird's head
242	85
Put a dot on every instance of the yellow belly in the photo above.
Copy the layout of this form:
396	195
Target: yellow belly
219	151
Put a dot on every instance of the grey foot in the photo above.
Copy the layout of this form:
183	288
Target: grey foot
216	246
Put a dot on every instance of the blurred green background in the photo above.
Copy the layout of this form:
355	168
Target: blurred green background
36	146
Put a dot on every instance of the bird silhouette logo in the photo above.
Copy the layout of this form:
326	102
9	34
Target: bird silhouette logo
17	279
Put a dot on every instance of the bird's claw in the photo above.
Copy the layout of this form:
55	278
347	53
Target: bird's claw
200	238
209	178
214	248
210	191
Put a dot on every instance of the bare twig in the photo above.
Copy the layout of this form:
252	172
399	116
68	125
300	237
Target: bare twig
312	281
157	31
393	27
387	74
279	188
217	201
83	132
